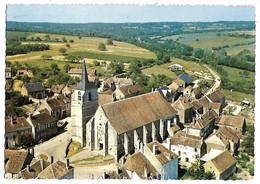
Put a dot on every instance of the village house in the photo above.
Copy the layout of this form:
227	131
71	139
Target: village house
184	108
236	123
106	97
29	73
127	91
15	161
105	131
68	90
197	108
164	160
175	66
115	82
8	73
91	73
57	88
223	165
43	125
217	142
217	96
196	93
166	93
188	148
33	90
188	91
186	78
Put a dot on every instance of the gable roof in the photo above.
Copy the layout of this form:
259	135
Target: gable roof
216	95
105	97
204	101
182	103
15	160
33	87
179	82
173	86
137	163
196	104
56	88
36	166
189	88
234	121
56	170
15	125
228	133
214	105
204	120
223	161
163	154
217	139
42	118
58	101
197	90
142	109
185	77
68	89
180	138
126	90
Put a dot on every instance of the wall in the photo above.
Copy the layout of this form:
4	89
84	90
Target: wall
170	170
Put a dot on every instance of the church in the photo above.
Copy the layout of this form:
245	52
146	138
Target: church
121	127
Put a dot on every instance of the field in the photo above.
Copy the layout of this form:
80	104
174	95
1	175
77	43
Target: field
87	47
207	40
233	74
163	69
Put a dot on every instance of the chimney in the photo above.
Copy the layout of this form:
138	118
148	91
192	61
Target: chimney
168	142
155	149
145	172
52	159
67	163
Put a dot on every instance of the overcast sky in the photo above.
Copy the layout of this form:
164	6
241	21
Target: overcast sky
127	13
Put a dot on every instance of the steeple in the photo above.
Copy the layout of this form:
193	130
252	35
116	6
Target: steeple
84	75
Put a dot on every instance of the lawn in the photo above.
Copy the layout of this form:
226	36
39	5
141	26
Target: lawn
238	96
74	148
163	69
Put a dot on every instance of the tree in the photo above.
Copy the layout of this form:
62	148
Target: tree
102	47
68	45
110	41
246	73
63	51
96	63
116	68
46	57
66	67
32	38
38	39
71	41
25	140
73	58
25	78
64	39
47	37
56	39
133	70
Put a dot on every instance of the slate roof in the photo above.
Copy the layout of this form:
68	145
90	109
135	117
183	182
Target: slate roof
33	87
142	109
223	161
137	162
185	77
42	118
181	139
234	121
163	153
126	90
15	160
18	123
56	170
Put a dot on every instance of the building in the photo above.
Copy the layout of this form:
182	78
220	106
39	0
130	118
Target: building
33	90
43	125
186	78
68	90
175	67
106	97
91	74
119	128
196	93
127	91
84	103
184	108
29	73
217	96
223	165
57	88
15	161
116	81
236	123
8	73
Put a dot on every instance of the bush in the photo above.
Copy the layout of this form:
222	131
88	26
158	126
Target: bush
251	170
102	47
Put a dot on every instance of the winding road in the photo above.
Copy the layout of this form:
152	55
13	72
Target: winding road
216	79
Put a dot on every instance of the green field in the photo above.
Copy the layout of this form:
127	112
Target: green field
163	69
233	74
87	46
207	40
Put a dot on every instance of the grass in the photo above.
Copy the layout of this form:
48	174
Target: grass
42	156
238	96
163	69
233	74
17	85
74	148
94	158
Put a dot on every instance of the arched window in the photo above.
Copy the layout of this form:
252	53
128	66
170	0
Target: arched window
79	96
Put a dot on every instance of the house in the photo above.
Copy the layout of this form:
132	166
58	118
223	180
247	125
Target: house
184	108
57	170
58	107
202	127
166	93
186	78
29	73
115	82
204	101
145	118
68	89
164	160
33	90
217	96
138	166
15	161
33	169
43	125
217	142
15	126
216	106
196	93
57	88
223	165
197	107
106	97
236	123
175	67
91	73
127	91
188	91
8	73
188	148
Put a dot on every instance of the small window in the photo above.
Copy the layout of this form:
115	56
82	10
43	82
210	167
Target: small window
89	96
79	96
195	150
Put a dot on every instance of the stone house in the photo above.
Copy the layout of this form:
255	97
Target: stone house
57	88
197	108
15	161
115	82
8	73
204	101
127	91
106	97
68	90
217	96
184	108
223	165
29	73
187	91
216	106
217	142
33	90
92	74
43	125
175	66
236	123
114	132
164	160
188	148
196	93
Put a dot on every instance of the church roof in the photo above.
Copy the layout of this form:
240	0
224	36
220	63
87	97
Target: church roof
131	113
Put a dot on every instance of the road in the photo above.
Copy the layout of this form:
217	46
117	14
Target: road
216	79
56	146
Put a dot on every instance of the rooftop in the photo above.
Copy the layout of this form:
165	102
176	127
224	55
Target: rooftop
234	121
33	87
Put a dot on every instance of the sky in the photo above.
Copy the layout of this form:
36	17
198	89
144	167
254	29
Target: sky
85	13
